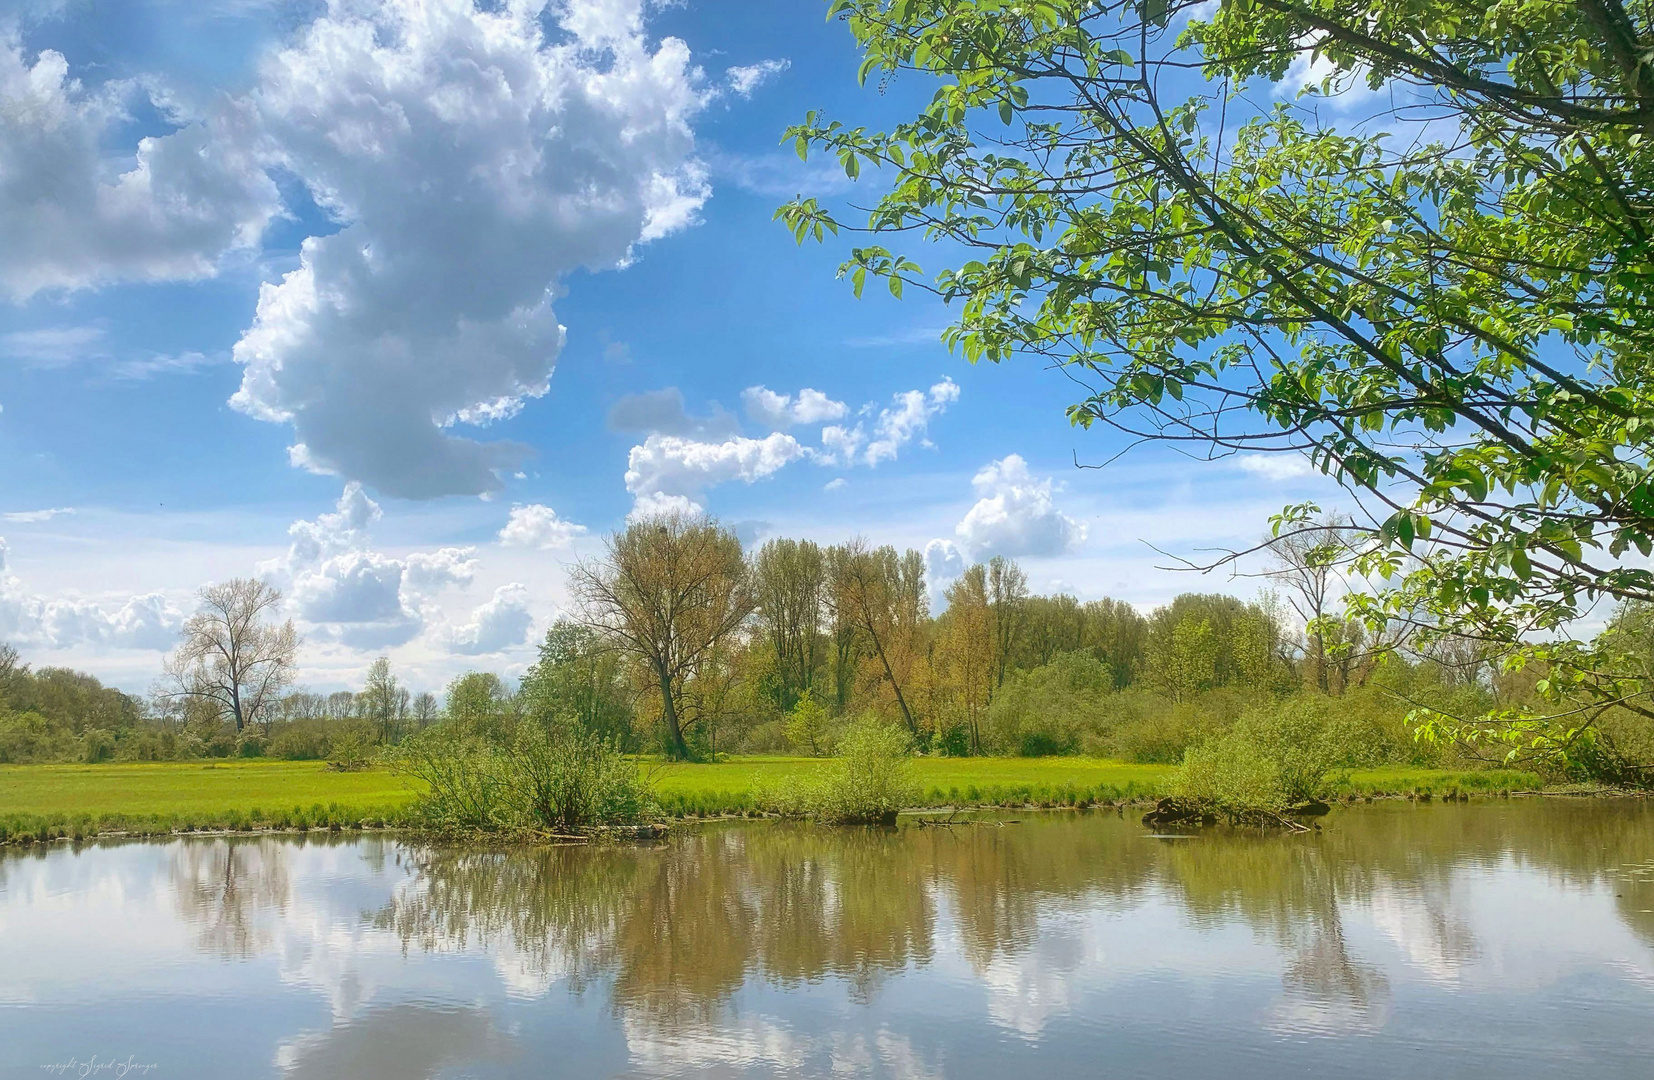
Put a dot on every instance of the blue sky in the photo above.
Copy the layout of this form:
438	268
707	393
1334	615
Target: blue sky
309	330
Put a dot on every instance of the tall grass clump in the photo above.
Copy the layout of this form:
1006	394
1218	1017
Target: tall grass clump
536	779
868	781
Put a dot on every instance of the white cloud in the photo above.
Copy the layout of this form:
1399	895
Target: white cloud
1275	466
678	470
475	163
347	592
180	203
778	411
497	625
656	503
32	516
746	78
837	483
149	621
1014	515
539	526
907	418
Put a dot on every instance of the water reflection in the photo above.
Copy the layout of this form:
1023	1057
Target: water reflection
766	949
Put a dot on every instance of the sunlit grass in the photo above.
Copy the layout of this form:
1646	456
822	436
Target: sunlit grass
37	801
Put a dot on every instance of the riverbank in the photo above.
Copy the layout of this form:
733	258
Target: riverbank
45	802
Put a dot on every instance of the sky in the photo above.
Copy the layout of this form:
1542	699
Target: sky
403	305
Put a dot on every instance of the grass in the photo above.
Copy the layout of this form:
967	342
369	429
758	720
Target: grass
40	802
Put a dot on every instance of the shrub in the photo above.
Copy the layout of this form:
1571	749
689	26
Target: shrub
868	783
806	725
350	748
97	745
565	778
556	778
1049	709
301	740
1275	756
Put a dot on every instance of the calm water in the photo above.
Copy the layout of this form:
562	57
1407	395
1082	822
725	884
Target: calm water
1502	940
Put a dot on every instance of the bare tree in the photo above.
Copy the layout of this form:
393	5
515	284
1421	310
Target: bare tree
668	590
425	709
383	702
231	656
1307	563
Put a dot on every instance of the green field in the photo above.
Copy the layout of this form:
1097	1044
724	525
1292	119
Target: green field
71	800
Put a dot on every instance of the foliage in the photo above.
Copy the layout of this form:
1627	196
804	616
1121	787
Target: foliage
869	781
1274	757
669	589
538	779
579	677
1051	709
1449	319
806	726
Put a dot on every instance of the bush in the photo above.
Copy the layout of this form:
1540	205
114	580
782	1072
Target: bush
1274	757
350	748
566	778
1049	709
806	726
97	745
542	778
868	783
301	740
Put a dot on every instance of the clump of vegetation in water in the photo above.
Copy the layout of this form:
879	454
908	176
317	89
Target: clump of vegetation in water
540	778
867	783
1271	762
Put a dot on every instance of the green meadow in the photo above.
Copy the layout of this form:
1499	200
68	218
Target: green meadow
46	801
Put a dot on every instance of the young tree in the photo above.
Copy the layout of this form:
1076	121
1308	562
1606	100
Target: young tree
579	678
232	656
383	702
1007	596
789	577
1450	321
669	588
969	656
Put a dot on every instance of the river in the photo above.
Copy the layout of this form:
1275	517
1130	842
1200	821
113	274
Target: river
1509	939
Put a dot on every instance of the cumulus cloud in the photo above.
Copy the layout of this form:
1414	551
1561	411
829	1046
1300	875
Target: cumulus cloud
149	621
944	562
474	162
779	411
501	623
348	592
746	78
538	526
177	206
1014	514
907	417
670	472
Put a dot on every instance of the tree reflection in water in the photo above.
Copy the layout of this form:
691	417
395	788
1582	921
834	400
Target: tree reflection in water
672	931
228	889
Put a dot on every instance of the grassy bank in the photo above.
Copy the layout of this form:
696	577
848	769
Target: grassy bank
46	801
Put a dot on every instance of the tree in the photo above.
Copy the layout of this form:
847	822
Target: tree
425	709
970	655
789	576
669	588
1307	562
1449	319
1007	596
479	704
232	657
580	679
882	594
383	702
